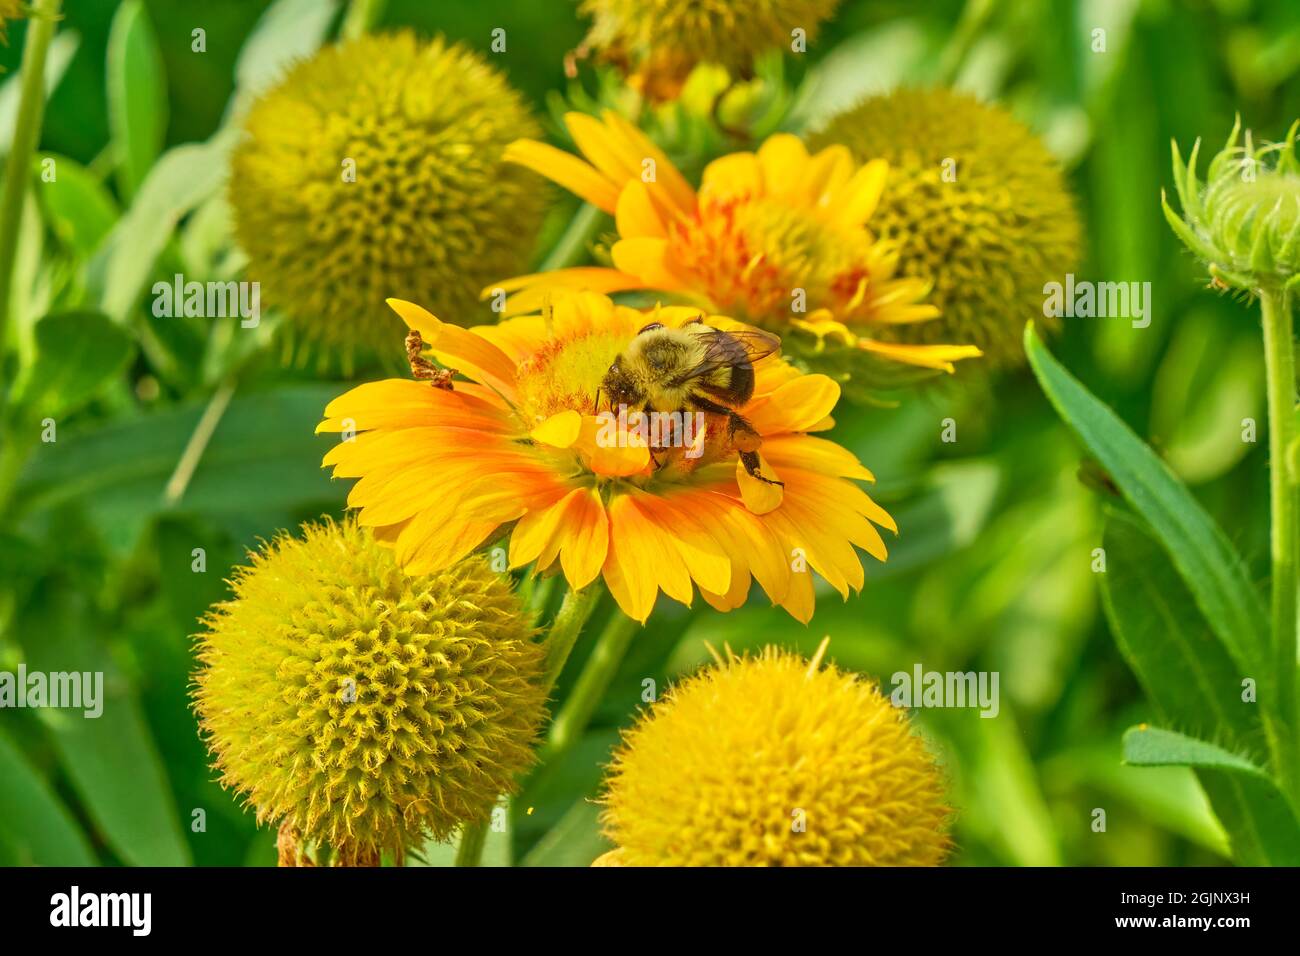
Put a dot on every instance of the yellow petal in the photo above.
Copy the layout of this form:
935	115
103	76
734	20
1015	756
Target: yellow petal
560	430
737	174
827	171
784	161
795	406
675	191
612	156
459	349
648	259
565	169
938	357
853	203
637	215
760	497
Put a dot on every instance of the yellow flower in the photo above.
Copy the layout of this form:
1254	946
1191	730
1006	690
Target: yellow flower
375	167
774	761
777	238
660	41
363	708
446	469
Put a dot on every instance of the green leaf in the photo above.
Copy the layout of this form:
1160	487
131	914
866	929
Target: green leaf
137	95
111	759
34	823
78	207
1187	674
181	179
864	64
77	354
1153	747
575	840
289	30
1213	571
263	456
62	48
1261	823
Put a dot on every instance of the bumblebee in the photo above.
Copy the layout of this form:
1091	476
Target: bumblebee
694	368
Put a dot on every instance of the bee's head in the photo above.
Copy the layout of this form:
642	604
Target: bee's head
620	387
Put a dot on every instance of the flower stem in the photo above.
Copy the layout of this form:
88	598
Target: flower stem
587	693
572	246
361	17
472	839
1279	358
27	129
198	443
569	621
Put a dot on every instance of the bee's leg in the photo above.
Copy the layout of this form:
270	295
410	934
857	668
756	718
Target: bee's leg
741	434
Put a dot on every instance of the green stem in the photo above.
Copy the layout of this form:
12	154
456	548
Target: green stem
198	443
590	688
27	129
572	247
569	621
1279	358
361	17
472	839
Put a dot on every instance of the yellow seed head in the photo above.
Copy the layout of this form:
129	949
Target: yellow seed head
361	708
978	206
773	761
373	170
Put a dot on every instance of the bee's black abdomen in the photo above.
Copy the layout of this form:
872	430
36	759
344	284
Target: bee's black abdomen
742	382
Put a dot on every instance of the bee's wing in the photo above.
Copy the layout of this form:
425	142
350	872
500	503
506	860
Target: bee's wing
757	343
726	349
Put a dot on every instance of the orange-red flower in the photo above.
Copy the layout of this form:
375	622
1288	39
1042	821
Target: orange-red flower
520	447
777	238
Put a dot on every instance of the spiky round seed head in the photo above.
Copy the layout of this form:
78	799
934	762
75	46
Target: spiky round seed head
979	207
661	41
363	708
1244	222
373	169
774	761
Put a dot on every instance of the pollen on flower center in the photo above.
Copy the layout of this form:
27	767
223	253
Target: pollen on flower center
565	374
751	255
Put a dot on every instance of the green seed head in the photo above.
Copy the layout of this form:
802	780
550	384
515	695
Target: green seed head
363	709
373	170
1244	221
978	207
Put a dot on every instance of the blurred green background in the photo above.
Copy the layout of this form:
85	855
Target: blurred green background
992	568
